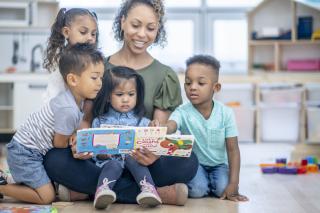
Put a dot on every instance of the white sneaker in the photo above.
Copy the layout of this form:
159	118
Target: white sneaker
64	193
104	195
149	195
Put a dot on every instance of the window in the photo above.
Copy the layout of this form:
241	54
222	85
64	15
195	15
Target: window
180	46
90	4
180	3
232	3
107	43
230	44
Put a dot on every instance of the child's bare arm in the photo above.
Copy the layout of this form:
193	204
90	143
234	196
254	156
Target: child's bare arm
231	192
87	117
172	126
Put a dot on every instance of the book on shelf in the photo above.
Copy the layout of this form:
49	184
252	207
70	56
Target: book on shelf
123	139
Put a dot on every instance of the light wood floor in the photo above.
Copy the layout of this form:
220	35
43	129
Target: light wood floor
267	194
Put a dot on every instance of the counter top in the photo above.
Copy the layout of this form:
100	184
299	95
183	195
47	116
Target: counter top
23	77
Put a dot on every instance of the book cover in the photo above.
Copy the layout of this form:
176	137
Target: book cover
121	140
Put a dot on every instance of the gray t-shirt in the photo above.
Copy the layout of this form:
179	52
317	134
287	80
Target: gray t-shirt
61	115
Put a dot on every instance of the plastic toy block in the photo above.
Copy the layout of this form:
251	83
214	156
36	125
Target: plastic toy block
279	165
293	164
304	162
281	160
310	159
302	170
315	160
269	170
312	168
288	170
267	165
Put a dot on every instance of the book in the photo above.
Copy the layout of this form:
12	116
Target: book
123	139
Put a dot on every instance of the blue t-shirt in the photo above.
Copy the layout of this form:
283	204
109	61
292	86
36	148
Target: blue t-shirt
210	134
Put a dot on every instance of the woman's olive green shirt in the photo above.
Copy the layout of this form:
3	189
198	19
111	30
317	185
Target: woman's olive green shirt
162	87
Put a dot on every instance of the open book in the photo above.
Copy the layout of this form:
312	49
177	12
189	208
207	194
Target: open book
123	139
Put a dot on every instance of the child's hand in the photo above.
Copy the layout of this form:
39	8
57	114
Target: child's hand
154	123
81	156
231	193
73	139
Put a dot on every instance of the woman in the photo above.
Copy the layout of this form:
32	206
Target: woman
139	24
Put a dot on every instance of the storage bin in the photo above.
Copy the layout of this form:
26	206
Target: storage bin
242	94
281	93
279	123
313	122
313	92
303	65
245	119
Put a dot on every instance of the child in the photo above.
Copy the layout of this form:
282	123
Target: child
214	128
76	25
82	69
120	102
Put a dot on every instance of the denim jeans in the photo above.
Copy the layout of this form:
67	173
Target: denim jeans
209	180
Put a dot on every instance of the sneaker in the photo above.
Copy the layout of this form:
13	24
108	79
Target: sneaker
176	194
104	195
67	195
3	178
148	195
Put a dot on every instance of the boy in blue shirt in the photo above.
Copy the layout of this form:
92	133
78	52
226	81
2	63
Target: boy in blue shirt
215	131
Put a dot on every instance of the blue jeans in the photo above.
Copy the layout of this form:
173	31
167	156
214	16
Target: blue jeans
208	180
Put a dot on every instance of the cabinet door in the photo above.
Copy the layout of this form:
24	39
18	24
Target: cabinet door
27	98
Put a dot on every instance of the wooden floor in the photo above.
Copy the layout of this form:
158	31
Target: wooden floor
267	194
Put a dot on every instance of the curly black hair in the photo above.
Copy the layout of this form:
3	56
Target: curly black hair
207	60
56	41
158	8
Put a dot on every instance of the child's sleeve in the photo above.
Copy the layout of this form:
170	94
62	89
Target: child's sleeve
231	126
66	121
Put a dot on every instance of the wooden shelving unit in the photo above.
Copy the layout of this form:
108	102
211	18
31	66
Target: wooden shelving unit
282	14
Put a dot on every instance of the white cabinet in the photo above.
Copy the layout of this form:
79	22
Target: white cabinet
27	98
28	13
14	14
20	95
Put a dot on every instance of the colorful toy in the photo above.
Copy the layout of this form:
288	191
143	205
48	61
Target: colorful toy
307	165
315	35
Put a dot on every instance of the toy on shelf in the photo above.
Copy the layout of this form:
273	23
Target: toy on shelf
308	165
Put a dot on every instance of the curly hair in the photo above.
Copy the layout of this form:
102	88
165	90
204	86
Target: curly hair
127	5
56	41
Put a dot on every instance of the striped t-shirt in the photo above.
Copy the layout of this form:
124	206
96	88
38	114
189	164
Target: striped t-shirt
61	115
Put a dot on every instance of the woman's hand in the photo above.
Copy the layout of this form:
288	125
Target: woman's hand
144	156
